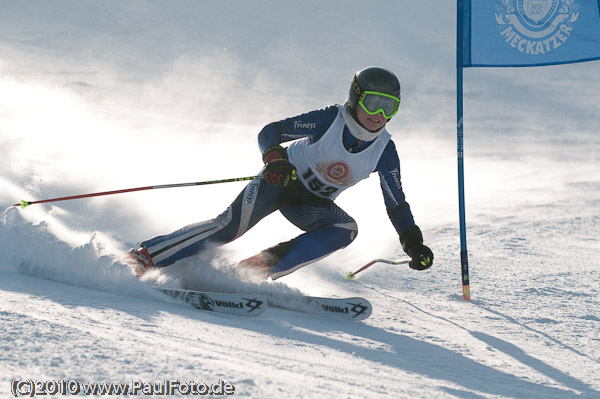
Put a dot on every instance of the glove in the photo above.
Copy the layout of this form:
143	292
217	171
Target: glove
278	170
412	243
422	257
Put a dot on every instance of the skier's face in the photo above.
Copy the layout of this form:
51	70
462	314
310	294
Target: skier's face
370	122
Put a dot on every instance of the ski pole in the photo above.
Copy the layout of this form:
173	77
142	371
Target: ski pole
352	275
24	203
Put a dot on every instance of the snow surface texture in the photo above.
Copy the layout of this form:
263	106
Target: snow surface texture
108	94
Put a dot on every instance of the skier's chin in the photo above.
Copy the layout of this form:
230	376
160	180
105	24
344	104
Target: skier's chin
373	126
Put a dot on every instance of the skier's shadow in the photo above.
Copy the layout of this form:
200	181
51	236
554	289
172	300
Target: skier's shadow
425	358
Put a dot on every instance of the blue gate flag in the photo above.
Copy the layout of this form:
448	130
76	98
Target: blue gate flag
523	33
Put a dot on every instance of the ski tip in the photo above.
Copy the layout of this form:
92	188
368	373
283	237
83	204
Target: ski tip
350	276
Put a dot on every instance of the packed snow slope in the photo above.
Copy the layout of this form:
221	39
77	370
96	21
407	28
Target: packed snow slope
106	95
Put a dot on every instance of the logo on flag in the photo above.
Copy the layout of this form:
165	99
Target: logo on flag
536	26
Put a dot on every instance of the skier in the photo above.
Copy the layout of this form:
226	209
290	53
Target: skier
338	146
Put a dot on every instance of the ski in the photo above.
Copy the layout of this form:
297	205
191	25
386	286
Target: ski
245	304
234	304
355	308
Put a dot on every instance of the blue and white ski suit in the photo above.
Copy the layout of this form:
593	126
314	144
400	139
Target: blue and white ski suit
328	159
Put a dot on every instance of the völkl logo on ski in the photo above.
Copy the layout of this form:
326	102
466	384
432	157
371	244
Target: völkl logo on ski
356	309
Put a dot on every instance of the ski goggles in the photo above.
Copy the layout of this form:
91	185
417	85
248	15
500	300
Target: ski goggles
373	102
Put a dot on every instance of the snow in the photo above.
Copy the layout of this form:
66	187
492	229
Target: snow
108	95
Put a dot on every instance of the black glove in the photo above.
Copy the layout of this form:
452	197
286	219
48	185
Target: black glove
421	257
412	243
278	170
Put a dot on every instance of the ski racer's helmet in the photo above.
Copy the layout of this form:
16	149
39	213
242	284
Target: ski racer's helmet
376	90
